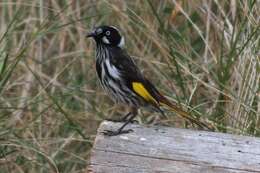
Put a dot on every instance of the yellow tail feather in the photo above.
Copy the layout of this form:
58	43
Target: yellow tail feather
186	115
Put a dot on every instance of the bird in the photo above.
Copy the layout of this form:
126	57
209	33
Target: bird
124	82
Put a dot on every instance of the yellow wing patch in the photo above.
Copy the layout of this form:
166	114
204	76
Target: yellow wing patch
141	91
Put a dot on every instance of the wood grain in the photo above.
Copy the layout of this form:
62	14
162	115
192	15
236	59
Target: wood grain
170	150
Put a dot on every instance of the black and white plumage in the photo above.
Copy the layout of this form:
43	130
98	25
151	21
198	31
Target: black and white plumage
115	68
113	75
122	79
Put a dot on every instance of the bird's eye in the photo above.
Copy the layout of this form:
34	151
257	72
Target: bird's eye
107	33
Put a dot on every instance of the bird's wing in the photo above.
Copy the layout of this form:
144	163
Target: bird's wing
133	77
125	64
144	88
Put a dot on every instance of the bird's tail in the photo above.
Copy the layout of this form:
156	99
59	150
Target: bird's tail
183	114
148	92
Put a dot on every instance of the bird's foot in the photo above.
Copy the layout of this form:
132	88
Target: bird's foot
117	132
114	120
120	120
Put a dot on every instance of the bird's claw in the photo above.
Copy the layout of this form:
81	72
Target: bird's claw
120	120
117	132
114	120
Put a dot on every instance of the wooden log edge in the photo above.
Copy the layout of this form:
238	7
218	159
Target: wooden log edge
171	150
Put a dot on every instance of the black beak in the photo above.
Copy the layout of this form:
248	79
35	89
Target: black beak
91	34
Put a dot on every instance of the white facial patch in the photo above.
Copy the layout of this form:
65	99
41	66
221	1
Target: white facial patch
112	70
122	42
105	40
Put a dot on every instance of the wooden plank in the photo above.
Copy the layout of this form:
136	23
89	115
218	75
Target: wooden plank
170	150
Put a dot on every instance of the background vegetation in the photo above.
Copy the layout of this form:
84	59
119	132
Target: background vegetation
203	54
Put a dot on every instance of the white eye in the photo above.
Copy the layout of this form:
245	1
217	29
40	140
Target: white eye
107	33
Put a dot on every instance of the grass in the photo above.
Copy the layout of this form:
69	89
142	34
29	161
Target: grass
202	54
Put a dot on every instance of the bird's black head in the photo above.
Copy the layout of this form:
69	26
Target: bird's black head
107	35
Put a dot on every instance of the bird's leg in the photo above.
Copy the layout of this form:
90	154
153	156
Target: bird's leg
123	119
126	117
120	130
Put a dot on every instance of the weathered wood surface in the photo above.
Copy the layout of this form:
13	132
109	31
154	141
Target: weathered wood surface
169	150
